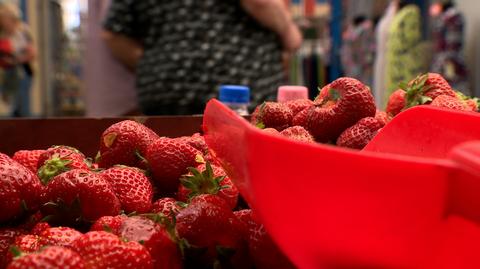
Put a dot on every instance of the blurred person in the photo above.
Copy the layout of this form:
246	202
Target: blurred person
18	72
181	51
110	86
358	50
448	29
382	37
405	60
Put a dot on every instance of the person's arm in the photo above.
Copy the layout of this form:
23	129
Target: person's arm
274	15
125	49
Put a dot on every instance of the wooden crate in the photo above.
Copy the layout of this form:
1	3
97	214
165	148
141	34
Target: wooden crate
82	133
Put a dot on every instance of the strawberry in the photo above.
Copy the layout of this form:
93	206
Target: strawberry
197	141
426	88
447	101
360	134
123	142
80	194
26	244
338	106
383	117
59	159
109	223
7	238
132	187
169	159
207	223
166	206
17	183
156	239
51	258
102	250
273	115
262	249
396	102
10	202
472	105
298	133
296	106
39	228
28	158
271	131
301	119
59	236
208	179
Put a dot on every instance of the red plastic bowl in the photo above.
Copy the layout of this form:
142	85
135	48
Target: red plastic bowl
388	206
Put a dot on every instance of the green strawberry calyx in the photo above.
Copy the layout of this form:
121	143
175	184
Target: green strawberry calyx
415	91
53	167
202	182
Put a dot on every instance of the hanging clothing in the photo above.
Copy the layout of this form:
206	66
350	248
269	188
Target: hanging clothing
404	52
110	86
448	43
382	37
358	52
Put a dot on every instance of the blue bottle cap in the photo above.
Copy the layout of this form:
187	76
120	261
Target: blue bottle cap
234	94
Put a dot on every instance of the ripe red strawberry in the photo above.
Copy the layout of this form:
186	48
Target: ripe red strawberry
396	102
17	183
28	158
7	238
24	243
51	258
10	202
39	228
262	249
168	160
383	117
102	250
161	245
446	101
298	133
59	159
122	142
301	119
80	194
296	106
197	141
360	134
426	88
166	206
132	187
109	224
339	105
59	236
207	223
273	115
472	105
208	179
271	131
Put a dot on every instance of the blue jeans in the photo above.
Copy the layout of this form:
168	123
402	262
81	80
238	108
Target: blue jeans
21	102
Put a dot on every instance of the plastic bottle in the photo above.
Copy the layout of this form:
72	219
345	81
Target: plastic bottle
290	93
236	97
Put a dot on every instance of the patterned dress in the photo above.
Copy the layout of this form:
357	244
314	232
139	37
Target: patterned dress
191	47
404	54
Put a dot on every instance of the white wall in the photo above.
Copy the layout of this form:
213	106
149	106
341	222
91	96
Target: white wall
471	10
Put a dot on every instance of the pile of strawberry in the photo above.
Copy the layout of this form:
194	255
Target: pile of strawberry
344	113
144	202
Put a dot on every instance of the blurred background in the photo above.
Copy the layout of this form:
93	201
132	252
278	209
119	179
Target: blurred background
340	37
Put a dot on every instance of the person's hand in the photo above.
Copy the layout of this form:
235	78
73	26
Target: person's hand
292	38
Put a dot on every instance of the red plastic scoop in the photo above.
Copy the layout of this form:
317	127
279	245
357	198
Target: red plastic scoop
328	206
